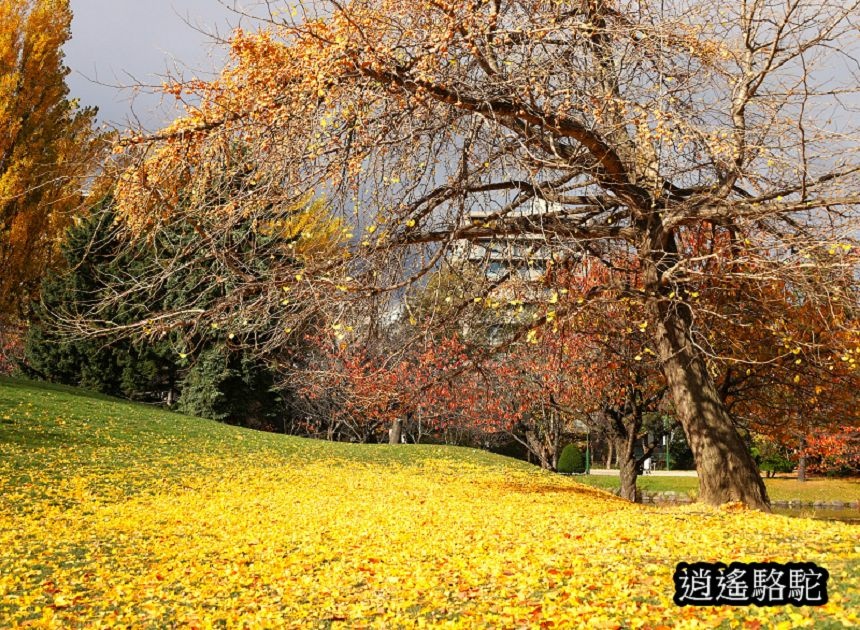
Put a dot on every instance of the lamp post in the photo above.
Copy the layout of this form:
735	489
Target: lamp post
666	446
588	451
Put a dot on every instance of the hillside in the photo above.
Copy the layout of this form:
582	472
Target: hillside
120	514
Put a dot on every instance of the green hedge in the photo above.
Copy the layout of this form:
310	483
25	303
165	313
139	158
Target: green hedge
571	460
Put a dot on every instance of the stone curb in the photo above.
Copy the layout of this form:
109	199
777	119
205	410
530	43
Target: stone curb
817	504
674	497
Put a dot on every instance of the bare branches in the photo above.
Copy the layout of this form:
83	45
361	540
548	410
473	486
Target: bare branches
664	138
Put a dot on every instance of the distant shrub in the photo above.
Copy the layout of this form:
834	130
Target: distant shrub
776	464
835	452
11	349
771	458
571	460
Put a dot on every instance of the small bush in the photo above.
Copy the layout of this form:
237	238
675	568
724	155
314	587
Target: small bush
11	349
571	460
771	458
776	464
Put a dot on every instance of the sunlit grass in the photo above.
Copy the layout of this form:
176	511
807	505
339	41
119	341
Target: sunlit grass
119	514
779	489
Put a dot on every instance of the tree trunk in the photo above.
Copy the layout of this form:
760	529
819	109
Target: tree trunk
801	462
395	433
609	453
726	470
627	468
537	447
419	432
554	437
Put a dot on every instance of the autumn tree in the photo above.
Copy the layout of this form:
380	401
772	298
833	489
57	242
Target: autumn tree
835	451
783	369
352	391
47	144
627	389
607	128
595	368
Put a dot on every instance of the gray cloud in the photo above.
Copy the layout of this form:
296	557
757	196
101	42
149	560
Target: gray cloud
123	42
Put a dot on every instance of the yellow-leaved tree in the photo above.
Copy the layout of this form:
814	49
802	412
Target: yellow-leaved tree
597	131
47	144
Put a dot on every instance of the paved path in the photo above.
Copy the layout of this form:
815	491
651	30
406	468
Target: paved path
653	473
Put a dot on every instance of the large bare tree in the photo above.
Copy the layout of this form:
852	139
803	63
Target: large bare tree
668	133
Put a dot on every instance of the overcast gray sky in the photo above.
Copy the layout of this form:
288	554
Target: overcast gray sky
121	42
118	42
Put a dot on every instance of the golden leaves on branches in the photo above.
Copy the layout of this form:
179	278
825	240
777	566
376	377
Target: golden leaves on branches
46	144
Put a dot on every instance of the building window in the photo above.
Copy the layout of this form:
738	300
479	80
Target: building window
495	268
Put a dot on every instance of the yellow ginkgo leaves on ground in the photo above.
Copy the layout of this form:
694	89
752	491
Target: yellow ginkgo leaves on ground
269	531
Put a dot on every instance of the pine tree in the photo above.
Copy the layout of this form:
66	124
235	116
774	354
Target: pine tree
207	376
119	367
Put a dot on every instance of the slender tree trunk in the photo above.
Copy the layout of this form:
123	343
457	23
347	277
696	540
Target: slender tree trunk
609	453
726	469
801	462
537	447
419	430
395	433
627	468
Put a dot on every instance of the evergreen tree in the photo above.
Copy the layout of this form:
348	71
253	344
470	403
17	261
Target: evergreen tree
211	379
121	367
231	387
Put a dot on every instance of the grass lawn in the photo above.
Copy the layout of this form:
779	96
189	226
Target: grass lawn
778	488
115	514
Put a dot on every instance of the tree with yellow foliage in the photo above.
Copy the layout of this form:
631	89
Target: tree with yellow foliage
47	144
599	131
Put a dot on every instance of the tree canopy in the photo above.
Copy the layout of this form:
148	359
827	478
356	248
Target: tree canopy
684	146
47	144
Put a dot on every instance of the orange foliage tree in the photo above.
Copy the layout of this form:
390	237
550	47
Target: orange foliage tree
47	144
785	361
834	450
603	127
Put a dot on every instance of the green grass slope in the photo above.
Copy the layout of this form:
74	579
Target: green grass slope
116	514
779	489
134	444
